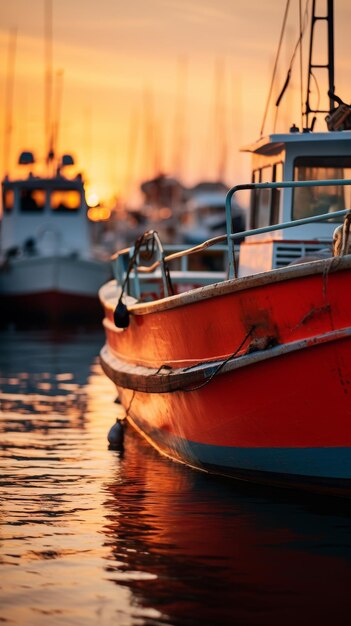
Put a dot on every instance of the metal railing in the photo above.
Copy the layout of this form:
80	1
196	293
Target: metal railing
232	237
122	259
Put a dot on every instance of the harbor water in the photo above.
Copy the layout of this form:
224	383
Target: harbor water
95	536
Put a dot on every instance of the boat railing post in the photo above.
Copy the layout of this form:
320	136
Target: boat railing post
184	263
119	269
136	281
162	264
231	243
134	258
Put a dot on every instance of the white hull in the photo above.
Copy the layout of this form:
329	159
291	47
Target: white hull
68	275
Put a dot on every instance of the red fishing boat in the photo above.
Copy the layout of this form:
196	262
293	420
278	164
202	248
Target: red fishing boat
249	376
247	372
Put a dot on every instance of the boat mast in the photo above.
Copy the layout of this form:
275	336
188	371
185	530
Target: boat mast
220	120
8	126
49	148
329	66
179	118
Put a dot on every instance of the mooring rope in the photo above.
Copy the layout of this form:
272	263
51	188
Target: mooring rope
220	366
130	403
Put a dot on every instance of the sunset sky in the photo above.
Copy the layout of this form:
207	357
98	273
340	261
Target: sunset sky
142	87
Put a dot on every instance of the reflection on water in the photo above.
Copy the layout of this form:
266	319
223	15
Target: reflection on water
92	536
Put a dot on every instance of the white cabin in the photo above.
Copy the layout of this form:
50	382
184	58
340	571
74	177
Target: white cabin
45	216
289	157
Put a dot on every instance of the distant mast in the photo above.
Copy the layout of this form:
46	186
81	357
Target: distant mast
48	139
8	126
220	120
179	118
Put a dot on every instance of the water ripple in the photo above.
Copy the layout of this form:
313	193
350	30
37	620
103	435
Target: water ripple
91	536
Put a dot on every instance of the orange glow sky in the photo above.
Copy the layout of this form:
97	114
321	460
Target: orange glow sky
139	82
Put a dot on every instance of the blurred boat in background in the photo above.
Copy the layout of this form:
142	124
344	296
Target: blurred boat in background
49	272
186	215
203	215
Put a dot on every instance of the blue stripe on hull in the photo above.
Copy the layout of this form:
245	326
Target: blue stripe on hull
333	462
325	470
313	462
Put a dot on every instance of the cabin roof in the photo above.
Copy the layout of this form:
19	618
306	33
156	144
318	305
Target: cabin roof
273	144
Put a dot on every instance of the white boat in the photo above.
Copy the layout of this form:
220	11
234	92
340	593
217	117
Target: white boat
203	216
48	271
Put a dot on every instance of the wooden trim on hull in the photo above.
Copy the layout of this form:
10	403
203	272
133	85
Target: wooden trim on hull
277	313
265	418
166	379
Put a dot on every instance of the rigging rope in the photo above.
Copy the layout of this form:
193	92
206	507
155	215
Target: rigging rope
221	365
302	27
297	45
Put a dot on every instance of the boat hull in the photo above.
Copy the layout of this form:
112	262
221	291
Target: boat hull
276	413
50	290
243	424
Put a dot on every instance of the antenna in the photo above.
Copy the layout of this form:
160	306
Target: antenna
8	126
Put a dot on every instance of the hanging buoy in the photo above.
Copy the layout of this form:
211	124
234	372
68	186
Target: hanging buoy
121	315
116	436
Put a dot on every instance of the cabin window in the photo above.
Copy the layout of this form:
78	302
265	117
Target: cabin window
309	201
68	200
8	200
32	200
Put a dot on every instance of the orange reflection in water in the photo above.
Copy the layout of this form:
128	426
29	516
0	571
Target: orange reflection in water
91	535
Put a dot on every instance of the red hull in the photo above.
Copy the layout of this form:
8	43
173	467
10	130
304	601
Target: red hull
280	409
255	408
210	324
